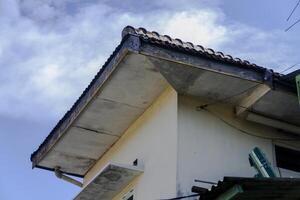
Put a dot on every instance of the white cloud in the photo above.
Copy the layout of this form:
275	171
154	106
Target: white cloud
49	81
200	27
271	49
51	52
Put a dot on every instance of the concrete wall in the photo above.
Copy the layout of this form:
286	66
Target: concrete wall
152	139
177	144
209	148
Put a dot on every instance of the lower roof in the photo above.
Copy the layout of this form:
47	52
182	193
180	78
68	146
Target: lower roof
255	188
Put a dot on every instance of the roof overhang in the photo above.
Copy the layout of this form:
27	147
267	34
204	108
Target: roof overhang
273	95
125	88
137	72
109	182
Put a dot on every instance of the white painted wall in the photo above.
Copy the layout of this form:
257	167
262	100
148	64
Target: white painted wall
178	144
209	149
152	139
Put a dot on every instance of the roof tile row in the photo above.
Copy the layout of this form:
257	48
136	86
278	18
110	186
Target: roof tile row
166	40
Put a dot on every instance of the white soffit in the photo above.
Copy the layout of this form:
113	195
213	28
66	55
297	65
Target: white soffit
194	81
128	92
109	182
218	86
279	104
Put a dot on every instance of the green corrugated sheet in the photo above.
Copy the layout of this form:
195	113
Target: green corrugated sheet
298	86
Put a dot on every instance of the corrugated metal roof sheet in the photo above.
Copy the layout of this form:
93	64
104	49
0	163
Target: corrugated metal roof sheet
257	188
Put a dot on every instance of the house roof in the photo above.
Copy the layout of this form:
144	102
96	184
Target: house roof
177	44
256	188
169	59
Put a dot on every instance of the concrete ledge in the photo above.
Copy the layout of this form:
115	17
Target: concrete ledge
109	182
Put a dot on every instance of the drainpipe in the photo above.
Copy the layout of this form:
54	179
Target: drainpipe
59	174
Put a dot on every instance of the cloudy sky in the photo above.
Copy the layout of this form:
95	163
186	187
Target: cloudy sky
50	50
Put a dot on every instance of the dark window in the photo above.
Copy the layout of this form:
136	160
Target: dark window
287	158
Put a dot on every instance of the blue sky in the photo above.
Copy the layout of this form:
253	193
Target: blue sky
50	50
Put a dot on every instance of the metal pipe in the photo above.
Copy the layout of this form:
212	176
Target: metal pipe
207	182
59	174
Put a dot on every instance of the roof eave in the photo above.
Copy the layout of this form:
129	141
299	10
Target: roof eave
152	47
129	43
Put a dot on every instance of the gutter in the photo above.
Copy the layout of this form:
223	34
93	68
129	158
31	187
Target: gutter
59	174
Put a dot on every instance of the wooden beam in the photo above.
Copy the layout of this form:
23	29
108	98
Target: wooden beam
251	99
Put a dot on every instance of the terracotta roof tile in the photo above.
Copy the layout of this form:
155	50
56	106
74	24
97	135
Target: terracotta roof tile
156	38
